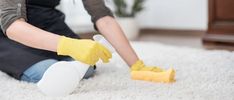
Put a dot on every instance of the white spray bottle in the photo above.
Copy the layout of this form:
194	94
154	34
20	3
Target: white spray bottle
61	78
103	41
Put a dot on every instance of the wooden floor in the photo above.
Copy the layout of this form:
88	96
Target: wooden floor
174	37
177	38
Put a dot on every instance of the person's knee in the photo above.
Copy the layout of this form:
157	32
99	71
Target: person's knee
36	71
44	66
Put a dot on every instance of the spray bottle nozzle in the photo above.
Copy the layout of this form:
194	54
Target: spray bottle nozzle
103	41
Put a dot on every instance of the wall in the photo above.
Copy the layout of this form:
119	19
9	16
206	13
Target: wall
175	14
160	14
76	17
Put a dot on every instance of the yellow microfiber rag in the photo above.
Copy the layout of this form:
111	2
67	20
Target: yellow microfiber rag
149	73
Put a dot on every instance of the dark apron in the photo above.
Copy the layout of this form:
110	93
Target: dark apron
15	58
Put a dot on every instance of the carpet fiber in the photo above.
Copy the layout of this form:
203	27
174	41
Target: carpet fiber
201	75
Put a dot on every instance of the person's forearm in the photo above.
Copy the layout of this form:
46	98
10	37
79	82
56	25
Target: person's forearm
31	36
114	34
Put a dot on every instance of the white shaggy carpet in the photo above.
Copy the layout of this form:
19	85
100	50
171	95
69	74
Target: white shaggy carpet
201	75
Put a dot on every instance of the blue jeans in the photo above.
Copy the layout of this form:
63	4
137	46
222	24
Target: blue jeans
35	72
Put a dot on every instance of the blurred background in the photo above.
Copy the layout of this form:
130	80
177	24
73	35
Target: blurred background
193	23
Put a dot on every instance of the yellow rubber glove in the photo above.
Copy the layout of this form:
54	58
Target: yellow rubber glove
148	73
84	50
139	65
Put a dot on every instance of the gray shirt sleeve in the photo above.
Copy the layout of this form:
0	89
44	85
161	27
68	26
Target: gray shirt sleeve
97	9
11	10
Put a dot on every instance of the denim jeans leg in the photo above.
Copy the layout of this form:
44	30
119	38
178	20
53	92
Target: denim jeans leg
35	72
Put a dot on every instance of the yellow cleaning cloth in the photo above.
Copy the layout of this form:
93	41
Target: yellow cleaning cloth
148	73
